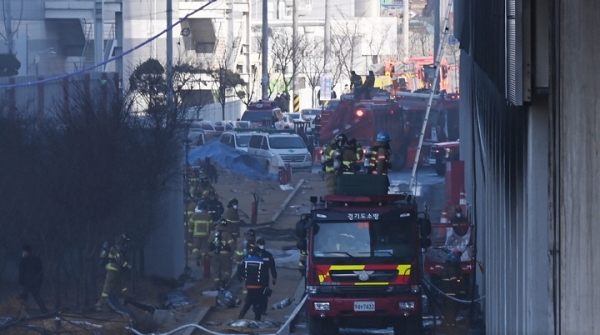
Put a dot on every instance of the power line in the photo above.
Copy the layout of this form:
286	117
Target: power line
91	67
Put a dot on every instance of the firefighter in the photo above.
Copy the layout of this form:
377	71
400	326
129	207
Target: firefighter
233	218
190	209
368	85
452	287
380	155
332	164
221	247
255	272
301	245
199	229
31	277
210	170
270	264
214	206
352	152
459	218
203	188
355	84
116	264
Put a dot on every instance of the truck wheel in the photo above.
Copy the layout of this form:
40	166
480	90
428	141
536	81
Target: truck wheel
322	327
411	326
440	169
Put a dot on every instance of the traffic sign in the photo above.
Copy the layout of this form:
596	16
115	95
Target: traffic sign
325	87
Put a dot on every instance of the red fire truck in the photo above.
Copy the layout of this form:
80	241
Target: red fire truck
363	120
363	258
442	126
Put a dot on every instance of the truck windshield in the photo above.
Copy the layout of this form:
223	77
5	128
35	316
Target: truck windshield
256	116
379	242
291	142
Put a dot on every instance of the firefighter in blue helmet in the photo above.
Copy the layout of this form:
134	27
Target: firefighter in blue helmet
379	155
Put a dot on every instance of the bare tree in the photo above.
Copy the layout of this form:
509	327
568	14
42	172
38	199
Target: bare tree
247	93
9	30
312	65
225	80
282	50
345	41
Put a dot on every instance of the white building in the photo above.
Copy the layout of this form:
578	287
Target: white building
63	36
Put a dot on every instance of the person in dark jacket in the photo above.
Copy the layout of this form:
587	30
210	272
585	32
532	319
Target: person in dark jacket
255	272
369	85
452	287
31	277
270	263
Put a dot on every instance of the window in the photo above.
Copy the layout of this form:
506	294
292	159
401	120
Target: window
256	116
242	141
225	139
291	142
255	141
376	241
264	144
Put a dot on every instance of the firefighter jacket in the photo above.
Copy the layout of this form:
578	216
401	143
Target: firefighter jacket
189	211
267	257
451	279
116	260
380	158
232	217
355	81
328	151
200	224
221	241
349	158
254	271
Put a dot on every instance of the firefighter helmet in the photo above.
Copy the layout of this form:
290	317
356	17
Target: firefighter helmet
341	137
453	257
250	233
383	137
233	201
260	241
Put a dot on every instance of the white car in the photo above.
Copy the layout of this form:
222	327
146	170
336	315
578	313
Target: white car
236	140
290	147
309	114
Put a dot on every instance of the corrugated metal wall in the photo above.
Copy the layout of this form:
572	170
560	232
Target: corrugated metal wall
502	182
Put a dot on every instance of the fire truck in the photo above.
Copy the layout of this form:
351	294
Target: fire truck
364	119
363	258
442	126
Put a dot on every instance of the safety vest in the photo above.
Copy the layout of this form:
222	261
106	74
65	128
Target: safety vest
379	160
200	224
349	157
328	151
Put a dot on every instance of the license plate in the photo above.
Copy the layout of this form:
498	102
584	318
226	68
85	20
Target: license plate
432	161
364	306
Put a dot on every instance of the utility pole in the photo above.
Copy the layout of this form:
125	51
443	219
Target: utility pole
98	34
327	37
294	48
265	50
405	28
169	54
230	56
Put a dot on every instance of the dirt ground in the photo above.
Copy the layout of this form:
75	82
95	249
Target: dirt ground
280	240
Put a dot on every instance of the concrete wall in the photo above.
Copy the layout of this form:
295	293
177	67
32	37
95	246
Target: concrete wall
577	166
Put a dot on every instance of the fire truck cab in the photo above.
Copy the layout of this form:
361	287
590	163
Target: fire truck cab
363	254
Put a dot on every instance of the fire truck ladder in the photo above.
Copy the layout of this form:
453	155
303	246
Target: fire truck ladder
436	79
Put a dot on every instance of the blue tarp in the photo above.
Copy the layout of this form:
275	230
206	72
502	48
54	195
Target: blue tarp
236	161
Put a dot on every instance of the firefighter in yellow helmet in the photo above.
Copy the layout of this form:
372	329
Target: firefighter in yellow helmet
116	264
221	247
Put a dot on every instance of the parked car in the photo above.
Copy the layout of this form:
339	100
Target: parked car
309	114
290	147
197	138
236	140
211	131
